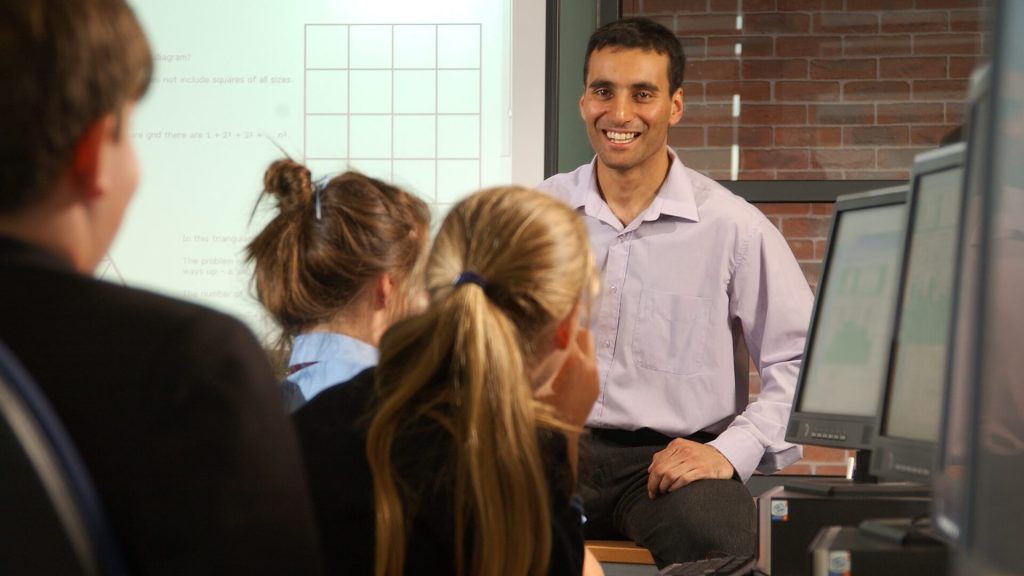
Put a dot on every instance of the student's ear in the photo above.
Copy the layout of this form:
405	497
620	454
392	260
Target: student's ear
565	332
87	158
384	290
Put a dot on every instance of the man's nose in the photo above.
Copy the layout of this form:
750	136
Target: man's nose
622	109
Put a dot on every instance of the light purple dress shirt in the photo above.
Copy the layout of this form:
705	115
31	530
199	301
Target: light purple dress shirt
693	282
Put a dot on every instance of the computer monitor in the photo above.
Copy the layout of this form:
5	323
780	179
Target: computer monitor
911	414
992	543
846	356
950	479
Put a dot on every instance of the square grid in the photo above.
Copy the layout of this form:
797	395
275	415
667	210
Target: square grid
400	102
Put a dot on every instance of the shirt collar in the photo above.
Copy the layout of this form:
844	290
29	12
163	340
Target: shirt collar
674	198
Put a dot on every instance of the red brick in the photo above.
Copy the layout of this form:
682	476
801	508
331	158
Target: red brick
967	21
910	114
933	4
774	69
807	91
712	70
877	45
819	245
750	6
934	67
873	91
879	5
805	227
686	137
748	91
722	174
803	250
784	208
947	44
776	23
810	46
928	135
799	5
707	159
705	114
706	24
842	159
846	69
825	208
750	47
876	136
808	137
877	174
630	7
833	5
844	22
812	272
896	157
830	470
825	114
956	113
666	20
693	92
695	48
753	159
822	454
744	136
753	175
772	114
802	175
962	67
944	90
915	21
653	6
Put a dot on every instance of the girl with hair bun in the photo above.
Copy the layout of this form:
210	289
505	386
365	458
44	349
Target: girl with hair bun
338	264
455	455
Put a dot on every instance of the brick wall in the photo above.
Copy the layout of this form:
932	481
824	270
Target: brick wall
827	90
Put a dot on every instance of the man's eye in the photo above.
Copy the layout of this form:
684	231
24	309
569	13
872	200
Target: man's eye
643	95
602	92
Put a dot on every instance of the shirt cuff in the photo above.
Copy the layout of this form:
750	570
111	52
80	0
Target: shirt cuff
741	449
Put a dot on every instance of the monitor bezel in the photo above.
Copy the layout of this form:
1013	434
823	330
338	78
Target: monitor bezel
894	458
947	490
857	432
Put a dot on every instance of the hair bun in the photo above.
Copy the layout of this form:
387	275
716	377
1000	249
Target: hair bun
290	182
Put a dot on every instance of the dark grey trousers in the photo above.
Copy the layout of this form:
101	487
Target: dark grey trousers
705	518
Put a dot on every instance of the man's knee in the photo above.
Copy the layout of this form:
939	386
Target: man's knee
703	518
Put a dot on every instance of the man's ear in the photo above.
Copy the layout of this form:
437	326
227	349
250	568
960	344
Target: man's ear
87	158
677	106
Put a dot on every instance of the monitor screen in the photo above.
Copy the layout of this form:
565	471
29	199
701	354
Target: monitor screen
905	447
843	372
919	356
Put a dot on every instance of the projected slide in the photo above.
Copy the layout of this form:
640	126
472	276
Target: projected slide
420	94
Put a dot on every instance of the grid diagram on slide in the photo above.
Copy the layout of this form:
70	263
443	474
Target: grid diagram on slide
399	102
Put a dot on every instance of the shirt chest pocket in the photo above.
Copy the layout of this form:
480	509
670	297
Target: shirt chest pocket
671	332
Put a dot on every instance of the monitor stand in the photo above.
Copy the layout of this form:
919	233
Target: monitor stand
862	483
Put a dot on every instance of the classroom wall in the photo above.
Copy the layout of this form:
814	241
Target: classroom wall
818	90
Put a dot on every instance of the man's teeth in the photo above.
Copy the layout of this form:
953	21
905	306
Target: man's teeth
620	136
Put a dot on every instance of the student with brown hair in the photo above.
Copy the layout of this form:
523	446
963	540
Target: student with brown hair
456	454
337	265
171	406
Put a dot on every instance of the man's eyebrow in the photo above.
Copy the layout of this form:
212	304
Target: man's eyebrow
646	86
599	84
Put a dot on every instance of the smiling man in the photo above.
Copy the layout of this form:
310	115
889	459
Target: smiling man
693	278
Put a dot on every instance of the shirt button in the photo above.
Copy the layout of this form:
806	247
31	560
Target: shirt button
608	343
614	289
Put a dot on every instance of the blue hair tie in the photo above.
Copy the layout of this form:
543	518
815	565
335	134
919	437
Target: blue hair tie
471	278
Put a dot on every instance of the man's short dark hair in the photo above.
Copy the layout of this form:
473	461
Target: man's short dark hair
643	34
65	64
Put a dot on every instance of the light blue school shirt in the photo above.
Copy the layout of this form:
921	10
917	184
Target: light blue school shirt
337	359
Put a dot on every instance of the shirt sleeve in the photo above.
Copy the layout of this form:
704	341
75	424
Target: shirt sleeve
770	298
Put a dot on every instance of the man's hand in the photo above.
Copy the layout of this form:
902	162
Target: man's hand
683	462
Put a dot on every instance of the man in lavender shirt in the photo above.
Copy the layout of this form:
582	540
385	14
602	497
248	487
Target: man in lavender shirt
695	282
